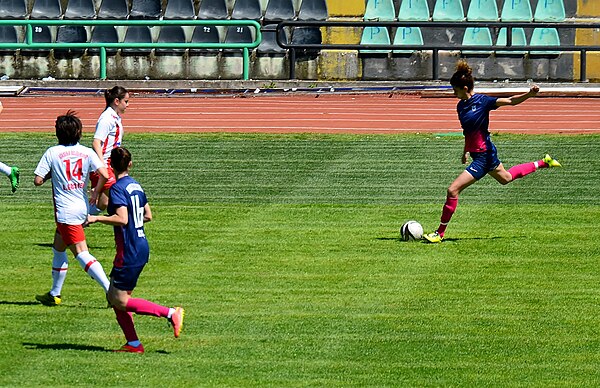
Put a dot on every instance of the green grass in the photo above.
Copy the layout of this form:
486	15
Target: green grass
284	251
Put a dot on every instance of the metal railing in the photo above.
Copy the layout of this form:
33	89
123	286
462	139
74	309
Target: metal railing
28	42
582	49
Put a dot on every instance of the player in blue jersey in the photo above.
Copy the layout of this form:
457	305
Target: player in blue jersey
474	114
128	209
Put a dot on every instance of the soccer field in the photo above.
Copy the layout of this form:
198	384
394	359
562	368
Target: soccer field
284	251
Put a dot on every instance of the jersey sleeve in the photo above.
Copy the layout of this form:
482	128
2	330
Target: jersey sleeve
44	166
490	103
118	196
102	128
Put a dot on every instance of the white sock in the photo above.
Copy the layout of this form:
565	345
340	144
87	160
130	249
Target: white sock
60	264
6	170
93	268
171	311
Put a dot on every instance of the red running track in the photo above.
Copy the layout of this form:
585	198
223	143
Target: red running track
329	113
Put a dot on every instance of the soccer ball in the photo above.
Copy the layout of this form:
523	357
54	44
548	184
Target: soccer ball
411	230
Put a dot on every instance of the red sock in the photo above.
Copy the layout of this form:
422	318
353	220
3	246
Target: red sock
447	212
144	307
125	320
520	170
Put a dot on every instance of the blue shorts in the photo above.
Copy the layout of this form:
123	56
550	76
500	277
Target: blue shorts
125	278
483	162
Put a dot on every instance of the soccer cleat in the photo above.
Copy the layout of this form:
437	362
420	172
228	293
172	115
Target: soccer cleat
177	320
550	161
433	237
14	178
48	300
130	349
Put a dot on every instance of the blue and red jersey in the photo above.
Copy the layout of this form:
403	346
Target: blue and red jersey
132	246
474	116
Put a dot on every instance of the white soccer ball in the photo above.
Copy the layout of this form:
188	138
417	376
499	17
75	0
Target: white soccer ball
411	230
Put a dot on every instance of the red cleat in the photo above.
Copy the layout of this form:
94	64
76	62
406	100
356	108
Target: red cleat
130	349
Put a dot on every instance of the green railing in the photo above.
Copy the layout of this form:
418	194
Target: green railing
28	43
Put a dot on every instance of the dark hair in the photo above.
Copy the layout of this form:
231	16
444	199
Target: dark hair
119	159
68	128
463	76
116	92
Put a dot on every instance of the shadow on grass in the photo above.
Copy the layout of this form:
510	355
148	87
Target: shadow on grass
87	348
455	239
9	302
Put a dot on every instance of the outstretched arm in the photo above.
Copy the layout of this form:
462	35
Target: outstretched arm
518	98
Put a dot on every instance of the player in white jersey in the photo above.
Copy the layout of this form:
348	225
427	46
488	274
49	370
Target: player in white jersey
109	135
68	166
11	172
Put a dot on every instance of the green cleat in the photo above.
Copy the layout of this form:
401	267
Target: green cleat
433	237
551	161
14	178
48	300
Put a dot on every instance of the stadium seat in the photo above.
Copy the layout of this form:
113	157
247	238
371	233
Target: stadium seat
246	10
380	10
375	36
313	10
483	11
41	34
13	9
518	39
407	36
278	10
516	11
105	34
550	11
113	9
448	10
213	9
477	36
46	9
307	35
237	34
179	9
417	10
544	37
137	34
170	34
205	34
268	44
70	34
80	9
8	34
145	9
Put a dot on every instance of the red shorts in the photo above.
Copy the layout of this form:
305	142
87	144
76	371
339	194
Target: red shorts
94	177
71	234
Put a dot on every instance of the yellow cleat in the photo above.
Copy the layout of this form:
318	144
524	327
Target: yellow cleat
48	300
177	321
433	237
551	161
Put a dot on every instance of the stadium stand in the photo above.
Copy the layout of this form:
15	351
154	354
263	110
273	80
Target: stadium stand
106	34
549	11
481	11
8	34
137	34
415	10
377	10
269	45
313	10
375	36
170	34
13	9
407	36
80	9
278	10
213	9
238	34
179	9
41	34
514	11
145	9
70	34
307	35
544	37
448	11
113	9
380	10
46	9
246	10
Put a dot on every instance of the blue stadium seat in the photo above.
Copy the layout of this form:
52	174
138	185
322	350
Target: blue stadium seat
375	36
483	11
8	34
41	34
137	34
213	9
477	36
237	34
46	9
179	9
516	11
550	11
544	37
407	36
313	10
105	34
205	34
170	34
113	9
80	9
70	34
448	10
278	10
417	10
13	9
268	44
380	10
145	9
246	10
307	35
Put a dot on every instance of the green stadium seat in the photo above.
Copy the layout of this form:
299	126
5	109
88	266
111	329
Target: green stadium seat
550	11
407	36
483	11
477	36
518	39
544	37
448	10
516	11
417	10
380	10
375	35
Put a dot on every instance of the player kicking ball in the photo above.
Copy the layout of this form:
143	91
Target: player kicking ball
128	210
474	115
